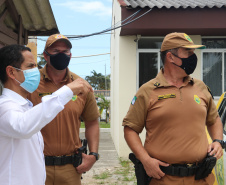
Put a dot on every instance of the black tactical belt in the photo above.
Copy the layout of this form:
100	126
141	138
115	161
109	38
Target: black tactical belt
60	160
179	170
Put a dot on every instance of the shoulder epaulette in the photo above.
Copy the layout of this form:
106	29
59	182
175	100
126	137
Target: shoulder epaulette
210	92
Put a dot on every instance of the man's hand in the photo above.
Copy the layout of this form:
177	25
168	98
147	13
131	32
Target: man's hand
87	163
215	149
80	87
152	168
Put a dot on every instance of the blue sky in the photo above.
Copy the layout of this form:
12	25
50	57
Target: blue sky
80	17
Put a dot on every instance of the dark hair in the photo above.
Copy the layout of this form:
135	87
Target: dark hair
11	56
163	54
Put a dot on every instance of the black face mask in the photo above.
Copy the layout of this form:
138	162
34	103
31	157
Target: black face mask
188	64
59	61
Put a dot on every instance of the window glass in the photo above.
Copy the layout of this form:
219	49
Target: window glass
150	43
148	67
212	71
212	43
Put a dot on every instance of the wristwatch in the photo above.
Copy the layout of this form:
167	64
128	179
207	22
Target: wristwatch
221	142
95	154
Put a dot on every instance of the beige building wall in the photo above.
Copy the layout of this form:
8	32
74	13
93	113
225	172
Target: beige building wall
123	81
116	16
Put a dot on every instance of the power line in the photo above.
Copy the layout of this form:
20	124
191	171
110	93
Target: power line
114	27
91	55
83	56
87	63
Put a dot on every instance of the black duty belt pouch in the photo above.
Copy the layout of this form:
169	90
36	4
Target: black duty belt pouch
141	175
205	168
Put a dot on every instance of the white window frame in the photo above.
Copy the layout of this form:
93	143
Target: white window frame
217	50
147	51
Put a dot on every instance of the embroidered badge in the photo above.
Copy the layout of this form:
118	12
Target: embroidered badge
197	99
59	36
74	98
44	94
134	100
187	37
161	97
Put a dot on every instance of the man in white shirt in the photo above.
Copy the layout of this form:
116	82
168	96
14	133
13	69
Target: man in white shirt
21	143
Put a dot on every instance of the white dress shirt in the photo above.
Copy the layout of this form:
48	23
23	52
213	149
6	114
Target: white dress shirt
21	142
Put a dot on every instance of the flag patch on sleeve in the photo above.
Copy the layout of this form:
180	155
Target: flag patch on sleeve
133	100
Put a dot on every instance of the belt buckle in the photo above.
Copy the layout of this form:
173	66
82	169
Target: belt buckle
190	165
57	160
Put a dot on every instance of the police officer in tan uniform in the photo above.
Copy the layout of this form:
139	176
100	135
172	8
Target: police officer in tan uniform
61	136
174	109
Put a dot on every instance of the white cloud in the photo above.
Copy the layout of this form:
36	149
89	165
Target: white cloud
96	8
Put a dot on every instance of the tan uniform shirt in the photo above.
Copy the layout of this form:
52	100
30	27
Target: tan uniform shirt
61	136
174	119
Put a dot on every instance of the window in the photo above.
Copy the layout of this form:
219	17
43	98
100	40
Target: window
149	62
214	67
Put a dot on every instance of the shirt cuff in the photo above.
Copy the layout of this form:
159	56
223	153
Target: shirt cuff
64	94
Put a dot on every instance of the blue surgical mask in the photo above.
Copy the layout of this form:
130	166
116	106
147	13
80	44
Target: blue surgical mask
32	79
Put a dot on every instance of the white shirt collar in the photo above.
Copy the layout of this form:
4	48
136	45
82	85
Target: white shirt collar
16	97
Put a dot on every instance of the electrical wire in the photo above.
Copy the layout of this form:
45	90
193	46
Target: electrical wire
120	22
114	27
81	63
40	55
91	55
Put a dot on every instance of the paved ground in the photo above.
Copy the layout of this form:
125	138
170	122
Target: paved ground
108	154
108	169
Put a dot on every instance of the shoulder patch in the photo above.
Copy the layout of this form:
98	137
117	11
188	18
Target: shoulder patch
210	92
133	100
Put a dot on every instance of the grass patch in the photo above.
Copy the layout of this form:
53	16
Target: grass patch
123	174
101	124
127	170
103	175
124	163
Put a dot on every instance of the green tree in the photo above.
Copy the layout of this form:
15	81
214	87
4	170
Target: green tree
103	104
41	61
97	81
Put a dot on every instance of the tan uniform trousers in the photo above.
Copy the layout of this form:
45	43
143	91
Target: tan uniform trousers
175	180
62	175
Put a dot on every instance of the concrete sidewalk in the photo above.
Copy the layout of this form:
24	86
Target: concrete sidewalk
108	154
107	170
